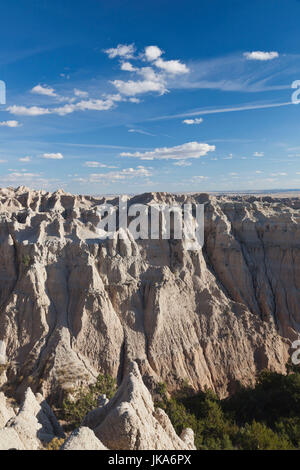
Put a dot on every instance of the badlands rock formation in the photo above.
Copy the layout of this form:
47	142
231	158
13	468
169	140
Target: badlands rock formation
83	439
34	424
73	306
130	421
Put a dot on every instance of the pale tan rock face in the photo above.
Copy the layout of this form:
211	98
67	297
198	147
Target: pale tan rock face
32	427
73	306
130	421
83	439
6	411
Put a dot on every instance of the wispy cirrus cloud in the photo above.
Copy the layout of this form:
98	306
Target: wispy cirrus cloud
140	131
244	107
93	164
52	156
116	176
237	73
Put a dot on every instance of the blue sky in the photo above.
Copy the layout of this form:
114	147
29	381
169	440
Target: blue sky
135	96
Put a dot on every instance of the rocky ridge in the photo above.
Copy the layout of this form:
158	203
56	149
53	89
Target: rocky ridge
128	421
73	306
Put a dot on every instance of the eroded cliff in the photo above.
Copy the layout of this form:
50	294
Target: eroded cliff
73	306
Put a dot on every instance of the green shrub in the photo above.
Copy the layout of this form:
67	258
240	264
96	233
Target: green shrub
257	436
202	413
55	444
26	261
275	396
85	400
264	417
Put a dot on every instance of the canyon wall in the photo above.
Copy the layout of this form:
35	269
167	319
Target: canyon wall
73	306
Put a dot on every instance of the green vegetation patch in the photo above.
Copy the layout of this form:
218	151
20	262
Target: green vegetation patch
84	400
263	417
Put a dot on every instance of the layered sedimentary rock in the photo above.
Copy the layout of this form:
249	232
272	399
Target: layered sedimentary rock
130	421
73	306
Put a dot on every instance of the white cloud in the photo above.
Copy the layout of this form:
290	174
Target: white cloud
80	93
98	165
173	67
152	81
260	55
3	161
222	110
140	131
132	88
179	152
182	163
127	67
35	180
84	105
10	124
258	154
193	121
147	80
53	156
95	105
44	90
279	174
31	111
25	159
195	179
116	176
134	100
15	176
122	50
152	53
